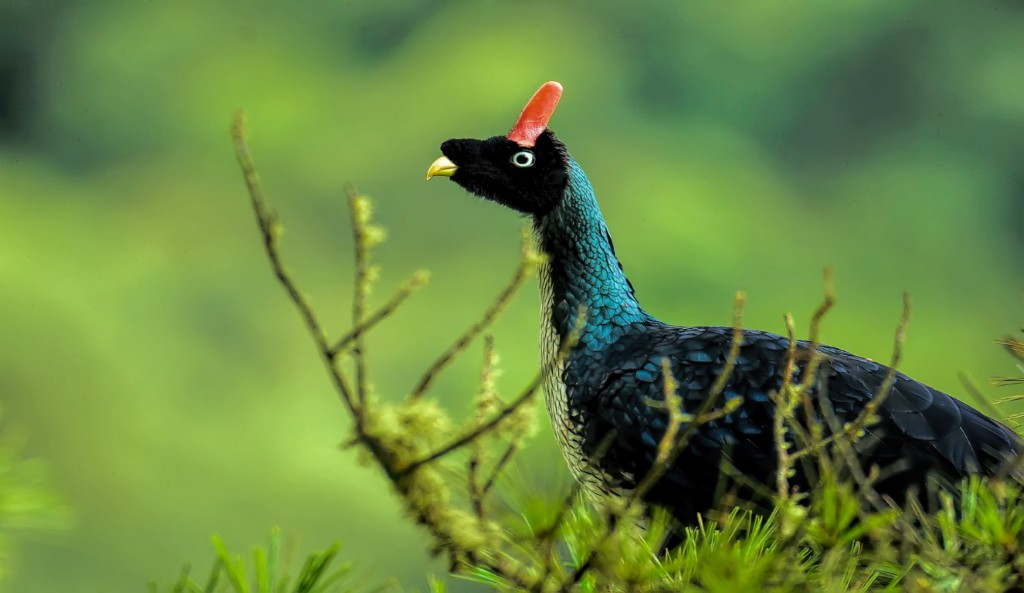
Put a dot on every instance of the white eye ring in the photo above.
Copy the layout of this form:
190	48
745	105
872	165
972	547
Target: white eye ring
523	159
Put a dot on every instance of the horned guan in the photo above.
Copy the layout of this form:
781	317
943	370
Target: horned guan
602	394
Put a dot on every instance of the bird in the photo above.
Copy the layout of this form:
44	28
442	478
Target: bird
606	395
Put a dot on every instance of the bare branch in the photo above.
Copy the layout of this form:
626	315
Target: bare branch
410	286
823	309
361	287
486	399
485	427
853	429
270	231
526	267
499	466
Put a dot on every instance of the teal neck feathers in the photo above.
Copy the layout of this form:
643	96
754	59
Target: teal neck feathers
583	271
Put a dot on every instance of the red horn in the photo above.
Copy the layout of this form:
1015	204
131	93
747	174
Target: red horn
534	119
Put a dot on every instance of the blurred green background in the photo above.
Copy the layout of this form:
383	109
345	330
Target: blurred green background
152	362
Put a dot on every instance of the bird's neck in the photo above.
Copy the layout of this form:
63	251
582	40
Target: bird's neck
582	270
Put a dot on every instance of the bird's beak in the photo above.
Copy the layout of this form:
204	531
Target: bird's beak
442	167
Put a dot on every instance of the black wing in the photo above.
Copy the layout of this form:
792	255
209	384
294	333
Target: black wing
922	432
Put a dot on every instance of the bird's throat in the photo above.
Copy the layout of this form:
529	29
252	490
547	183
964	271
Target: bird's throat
582	272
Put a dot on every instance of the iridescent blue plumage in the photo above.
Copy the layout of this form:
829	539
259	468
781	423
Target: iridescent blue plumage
599	396
585	270
600	399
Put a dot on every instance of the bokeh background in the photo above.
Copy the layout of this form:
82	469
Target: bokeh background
149	359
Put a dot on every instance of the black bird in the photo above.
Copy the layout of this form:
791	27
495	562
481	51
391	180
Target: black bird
599	396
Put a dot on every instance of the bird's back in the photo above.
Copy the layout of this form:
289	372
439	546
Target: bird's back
921	433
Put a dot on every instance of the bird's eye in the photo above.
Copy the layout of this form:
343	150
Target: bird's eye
523	159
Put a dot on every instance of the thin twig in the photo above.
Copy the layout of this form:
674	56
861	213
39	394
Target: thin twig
703	413
476	493
361	286
524	396
824	308
406	290
548	535
486	398
784	422
787	373
547	538
846	450
269	230
499	466
522	272
853	429
674	405
811	370
782	408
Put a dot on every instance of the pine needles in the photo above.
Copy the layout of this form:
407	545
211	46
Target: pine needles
267	571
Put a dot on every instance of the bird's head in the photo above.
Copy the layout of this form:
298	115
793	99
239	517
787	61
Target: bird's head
526	169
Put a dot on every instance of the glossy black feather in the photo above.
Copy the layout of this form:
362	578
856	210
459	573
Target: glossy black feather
922	433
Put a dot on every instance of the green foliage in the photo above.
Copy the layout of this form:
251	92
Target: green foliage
839	537
972	545
268	571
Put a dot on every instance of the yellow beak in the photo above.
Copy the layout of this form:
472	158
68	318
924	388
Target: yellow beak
442	167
